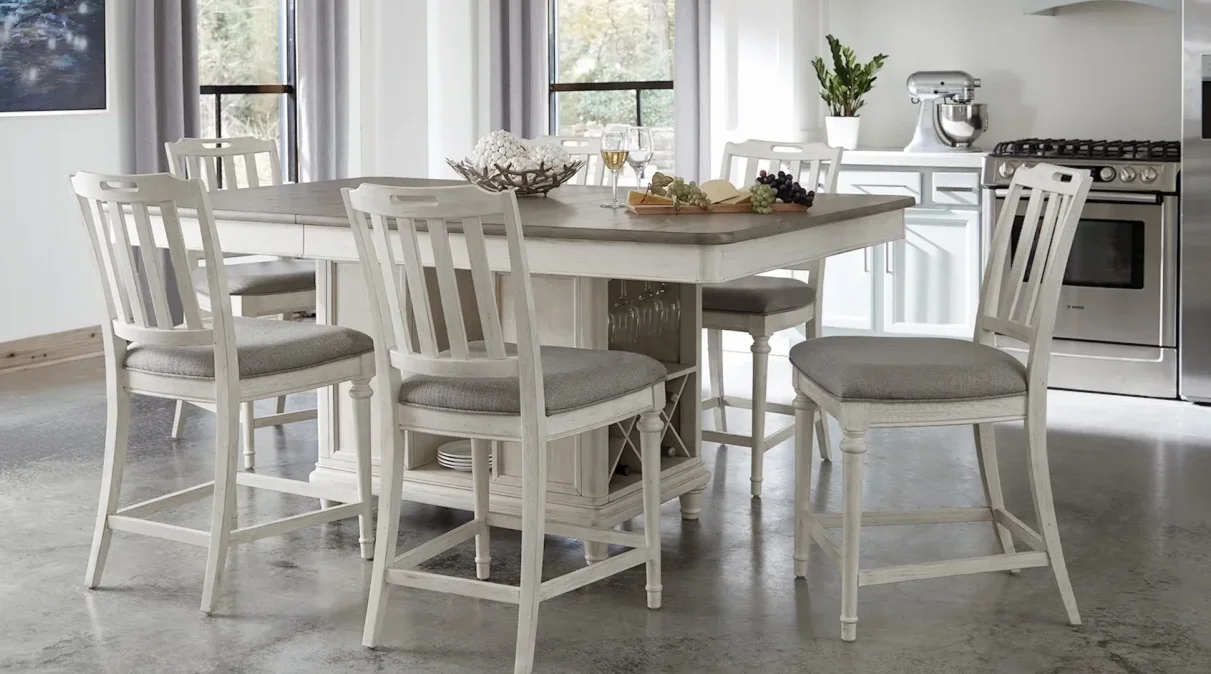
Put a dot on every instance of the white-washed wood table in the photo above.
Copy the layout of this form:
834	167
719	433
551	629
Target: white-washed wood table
578	252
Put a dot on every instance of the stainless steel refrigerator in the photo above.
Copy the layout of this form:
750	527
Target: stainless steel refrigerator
1194	299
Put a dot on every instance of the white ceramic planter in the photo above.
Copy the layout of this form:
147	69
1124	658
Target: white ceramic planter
842	131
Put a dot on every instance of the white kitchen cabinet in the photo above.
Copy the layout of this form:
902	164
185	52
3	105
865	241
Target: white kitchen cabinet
931	278
926	284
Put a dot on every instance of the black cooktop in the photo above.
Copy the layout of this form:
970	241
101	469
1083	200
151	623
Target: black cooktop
1055	148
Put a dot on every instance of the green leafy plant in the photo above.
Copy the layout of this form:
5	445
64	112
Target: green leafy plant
843	87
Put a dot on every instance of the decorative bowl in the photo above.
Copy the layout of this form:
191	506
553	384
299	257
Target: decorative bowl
527	183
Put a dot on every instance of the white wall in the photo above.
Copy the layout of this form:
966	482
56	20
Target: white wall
47	278
1101	70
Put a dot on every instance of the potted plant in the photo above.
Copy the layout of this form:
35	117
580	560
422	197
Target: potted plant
842	89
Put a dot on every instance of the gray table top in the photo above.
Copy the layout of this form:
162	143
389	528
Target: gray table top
569	212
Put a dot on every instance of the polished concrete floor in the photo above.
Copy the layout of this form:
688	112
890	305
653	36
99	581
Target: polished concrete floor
1132	479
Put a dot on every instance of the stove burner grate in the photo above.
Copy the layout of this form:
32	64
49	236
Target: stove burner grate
1053	148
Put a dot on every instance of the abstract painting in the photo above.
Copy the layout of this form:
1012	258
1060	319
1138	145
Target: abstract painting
52	55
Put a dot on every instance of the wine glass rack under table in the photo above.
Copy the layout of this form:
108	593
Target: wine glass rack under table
592	478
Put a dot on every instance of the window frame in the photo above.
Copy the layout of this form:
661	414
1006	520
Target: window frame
289	114
554	87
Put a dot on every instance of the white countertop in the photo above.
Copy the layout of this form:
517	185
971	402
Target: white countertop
898	157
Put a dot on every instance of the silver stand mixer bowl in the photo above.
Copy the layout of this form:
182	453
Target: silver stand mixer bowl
960	124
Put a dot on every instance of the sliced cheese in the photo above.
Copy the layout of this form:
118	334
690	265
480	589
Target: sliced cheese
719	190
744	197
635	197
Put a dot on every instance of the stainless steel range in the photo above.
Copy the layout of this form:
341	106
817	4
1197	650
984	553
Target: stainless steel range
1116	330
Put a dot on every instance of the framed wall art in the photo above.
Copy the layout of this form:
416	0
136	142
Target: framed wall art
52	56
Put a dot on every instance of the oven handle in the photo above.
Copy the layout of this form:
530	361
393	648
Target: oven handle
1115	197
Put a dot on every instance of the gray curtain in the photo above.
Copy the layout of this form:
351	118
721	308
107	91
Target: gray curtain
519	66
166	90
692	93
166	95
323	88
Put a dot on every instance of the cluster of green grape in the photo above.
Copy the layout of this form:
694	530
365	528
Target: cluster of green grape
683	194
763	198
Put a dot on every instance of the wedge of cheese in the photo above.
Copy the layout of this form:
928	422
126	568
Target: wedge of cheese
635	197
719	190
744	197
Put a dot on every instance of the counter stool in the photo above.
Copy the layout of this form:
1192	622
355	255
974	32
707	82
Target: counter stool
587	148
488	391
881	382
219	363
275	288
763	305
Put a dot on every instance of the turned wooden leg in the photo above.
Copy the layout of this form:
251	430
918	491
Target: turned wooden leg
481	476
650	431
1044	502
760	351
223	505
361	392
248	428
805	411
714	353
854	448
691	504
117	434
990	478
595	552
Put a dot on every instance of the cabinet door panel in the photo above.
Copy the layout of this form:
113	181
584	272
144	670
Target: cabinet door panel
849	292
931	277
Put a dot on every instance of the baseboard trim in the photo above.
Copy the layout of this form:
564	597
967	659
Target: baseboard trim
59	347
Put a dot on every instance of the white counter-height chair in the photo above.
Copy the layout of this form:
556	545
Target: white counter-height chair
270	288
764	305
218	363
488	391
880	382
587	148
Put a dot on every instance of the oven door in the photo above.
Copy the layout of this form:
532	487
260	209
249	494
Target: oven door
1119	286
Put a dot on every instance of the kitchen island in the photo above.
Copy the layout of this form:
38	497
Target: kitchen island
579	255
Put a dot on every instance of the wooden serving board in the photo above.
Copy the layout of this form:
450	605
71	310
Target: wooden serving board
661	209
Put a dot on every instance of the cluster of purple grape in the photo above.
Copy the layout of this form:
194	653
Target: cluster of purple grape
787	189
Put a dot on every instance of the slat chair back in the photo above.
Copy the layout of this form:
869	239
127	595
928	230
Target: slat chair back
1026	267
806	161
117	215
401	230
203	157
587	148
821	163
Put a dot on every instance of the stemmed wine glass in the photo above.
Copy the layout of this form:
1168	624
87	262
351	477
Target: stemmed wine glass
640	148
614	156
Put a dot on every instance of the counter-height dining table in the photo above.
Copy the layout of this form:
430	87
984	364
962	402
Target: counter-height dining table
586	262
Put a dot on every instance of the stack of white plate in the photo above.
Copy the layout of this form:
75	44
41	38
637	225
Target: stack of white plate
456	455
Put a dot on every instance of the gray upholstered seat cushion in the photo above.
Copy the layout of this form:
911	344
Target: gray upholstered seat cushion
264	346
908	368
757	295
263	278
572	378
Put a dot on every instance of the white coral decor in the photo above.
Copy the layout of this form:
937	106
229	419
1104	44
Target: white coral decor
501	148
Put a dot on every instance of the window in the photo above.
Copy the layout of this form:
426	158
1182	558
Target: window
611	62
246	62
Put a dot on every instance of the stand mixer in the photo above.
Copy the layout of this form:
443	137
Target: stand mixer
949	120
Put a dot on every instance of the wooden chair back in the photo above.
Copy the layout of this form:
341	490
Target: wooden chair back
587	148
401	230
116	212
214	161
1027	260
794	158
